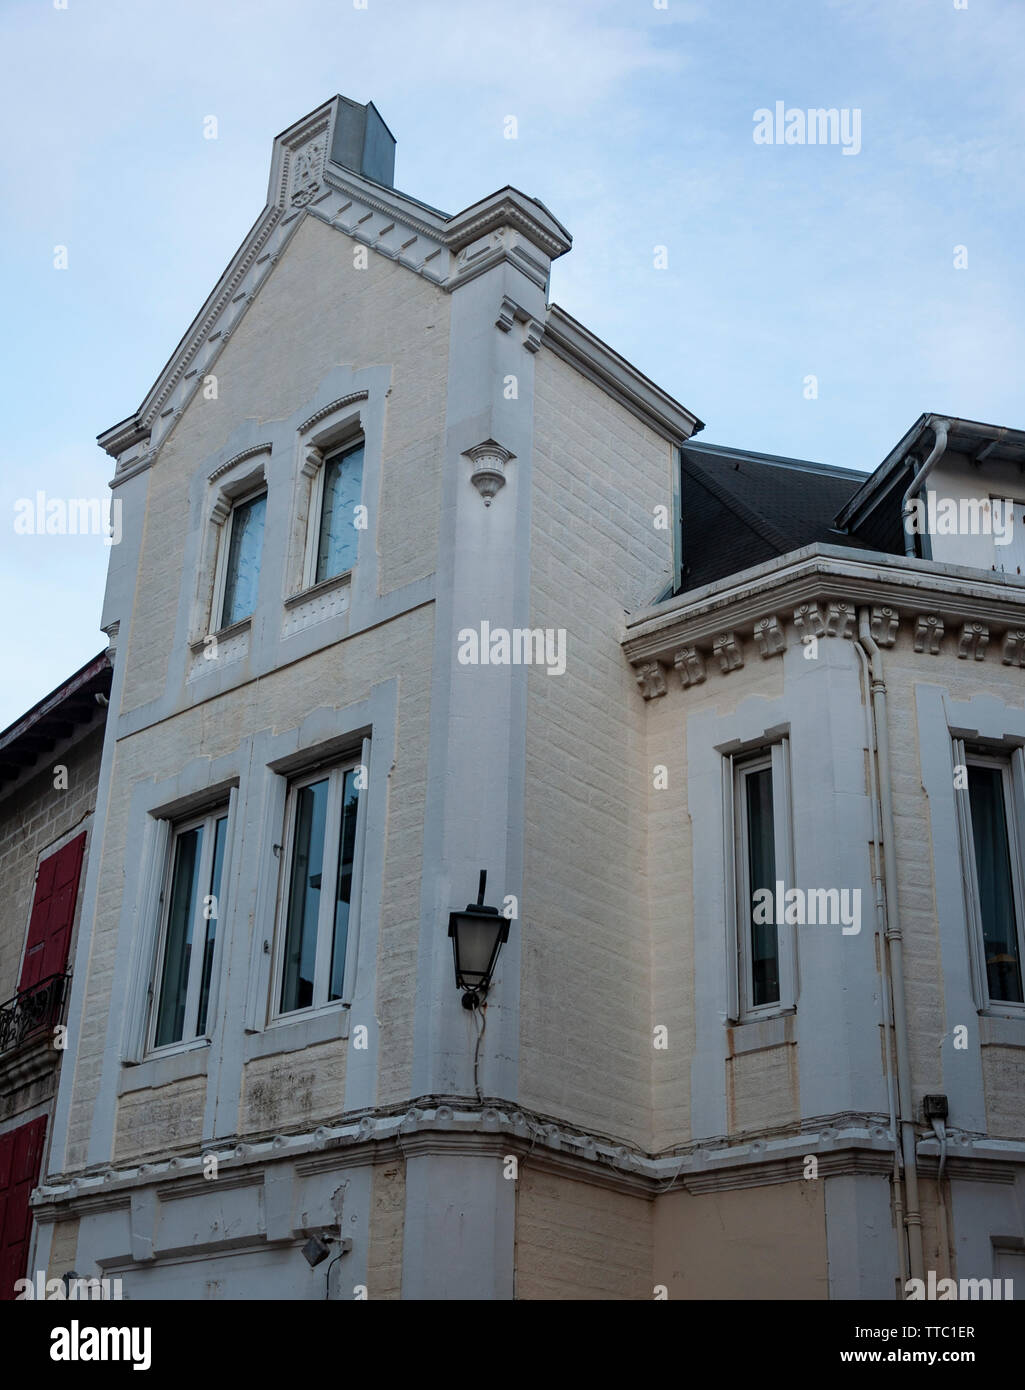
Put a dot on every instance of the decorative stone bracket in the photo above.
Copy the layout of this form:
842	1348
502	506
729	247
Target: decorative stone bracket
488	473
770	633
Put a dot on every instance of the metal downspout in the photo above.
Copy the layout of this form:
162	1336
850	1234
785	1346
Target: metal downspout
942	428
884	993
895	948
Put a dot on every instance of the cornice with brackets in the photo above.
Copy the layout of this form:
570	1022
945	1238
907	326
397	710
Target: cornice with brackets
816	592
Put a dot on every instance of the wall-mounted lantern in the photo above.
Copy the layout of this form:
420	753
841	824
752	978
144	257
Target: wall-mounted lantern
477	936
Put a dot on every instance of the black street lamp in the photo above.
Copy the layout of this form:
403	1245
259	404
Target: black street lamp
477	936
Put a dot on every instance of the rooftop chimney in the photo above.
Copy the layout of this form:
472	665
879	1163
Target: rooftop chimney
362	142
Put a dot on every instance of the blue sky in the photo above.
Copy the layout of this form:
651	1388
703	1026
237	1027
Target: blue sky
635	127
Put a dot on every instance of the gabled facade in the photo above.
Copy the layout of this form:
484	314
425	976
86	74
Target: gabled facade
390	609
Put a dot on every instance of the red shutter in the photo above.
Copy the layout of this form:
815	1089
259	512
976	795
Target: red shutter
53	912
21	1153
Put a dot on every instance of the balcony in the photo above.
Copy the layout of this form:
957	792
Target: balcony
31	1015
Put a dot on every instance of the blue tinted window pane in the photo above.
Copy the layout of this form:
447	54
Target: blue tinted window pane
174	982
343	487
343	890
214	909
304	897
996	894
243	569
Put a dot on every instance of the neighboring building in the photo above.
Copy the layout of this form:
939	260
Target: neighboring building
377	459
49	771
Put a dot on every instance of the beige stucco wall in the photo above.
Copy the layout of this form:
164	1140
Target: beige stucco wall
387	1220
758	1242
575	1240
598	475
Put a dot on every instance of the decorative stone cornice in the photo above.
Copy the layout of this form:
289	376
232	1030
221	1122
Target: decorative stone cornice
598	362
842	1144
930	601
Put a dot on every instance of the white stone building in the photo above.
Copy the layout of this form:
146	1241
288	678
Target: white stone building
377	453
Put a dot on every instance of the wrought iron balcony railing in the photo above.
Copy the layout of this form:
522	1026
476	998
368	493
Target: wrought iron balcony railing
32	1011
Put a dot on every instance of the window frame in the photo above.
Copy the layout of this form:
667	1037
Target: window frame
207	818
775	756
217	623
1011	763
311	554
335	772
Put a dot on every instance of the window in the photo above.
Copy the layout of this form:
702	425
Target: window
759	867
341	486
990	794
319	896
240	567
191	903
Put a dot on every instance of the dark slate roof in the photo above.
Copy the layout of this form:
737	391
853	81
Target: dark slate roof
55	718
741	509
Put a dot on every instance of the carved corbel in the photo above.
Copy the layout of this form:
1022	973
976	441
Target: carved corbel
651	678
691	666
727	647
1013	651
809	621
928	633
841	620
973	641
885	625
770	636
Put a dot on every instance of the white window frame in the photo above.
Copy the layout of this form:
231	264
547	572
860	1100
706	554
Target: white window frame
312	552
223	551
774	755
1005	552
335	773
1012	767
207	819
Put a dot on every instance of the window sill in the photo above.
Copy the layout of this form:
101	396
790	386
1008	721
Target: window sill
159	1071
222	634
325	586
1002	1030
290	1035
756	1034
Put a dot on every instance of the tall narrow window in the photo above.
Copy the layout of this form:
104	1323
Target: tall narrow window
192	906
760	865
342	487
318	898
993	876
242	561
759	842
